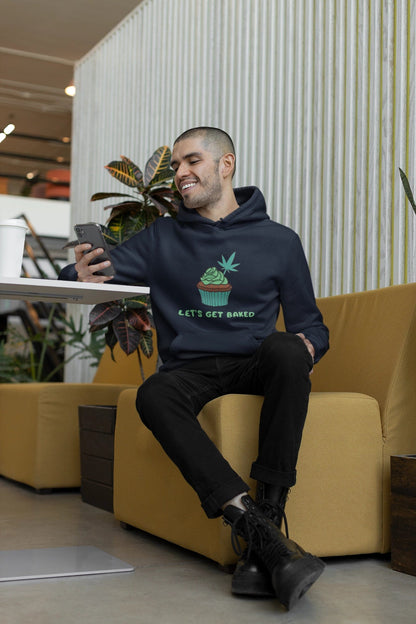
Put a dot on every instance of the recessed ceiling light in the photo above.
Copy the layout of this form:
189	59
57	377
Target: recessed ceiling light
70	89
9	128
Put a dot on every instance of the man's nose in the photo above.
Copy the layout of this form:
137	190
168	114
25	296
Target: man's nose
182	170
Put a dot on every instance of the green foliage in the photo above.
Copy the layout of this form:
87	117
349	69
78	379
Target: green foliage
126	321
21	361
129	321
154	195
11	369
407	189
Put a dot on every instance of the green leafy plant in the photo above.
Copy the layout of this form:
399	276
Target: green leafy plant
154	195
407	189
129	321
21	361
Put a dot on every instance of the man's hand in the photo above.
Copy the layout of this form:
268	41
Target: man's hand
85	270
309	346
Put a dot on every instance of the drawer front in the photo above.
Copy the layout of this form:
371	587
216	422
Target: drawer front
97	417
97	469
96	443
403	513
97	494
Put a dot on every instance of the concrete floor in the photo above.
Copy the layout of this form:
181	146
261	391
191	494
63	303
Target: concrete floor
171	585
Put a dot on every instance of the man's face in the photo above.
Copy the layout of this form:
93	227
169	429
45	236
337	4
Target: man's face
196	173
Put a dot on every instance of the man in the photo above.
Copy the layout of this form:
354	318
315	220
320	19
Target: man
218	275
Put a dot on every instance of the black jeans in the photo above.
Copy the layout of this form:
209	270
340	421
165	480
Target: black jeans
169	402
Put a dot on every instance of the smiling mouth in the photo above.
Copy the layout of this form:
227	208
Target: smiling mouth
187	186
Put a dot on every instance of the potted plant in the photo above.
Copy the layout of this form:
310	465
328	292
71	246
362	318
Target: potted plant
129	321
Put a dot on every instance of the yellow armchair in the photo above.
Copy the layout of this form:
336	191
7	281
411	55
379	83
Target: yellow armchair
362	410
39	433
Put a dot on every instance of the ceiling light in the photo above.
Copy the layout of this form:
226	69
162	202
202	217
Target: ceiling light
9	128
70	89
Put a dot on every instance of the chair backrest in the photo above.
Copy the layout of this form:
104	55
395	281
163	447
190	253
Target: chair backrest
373	345
125	369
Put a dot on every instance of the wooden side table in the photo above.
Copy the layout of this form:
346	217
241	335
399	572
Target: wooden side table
96	428
403	513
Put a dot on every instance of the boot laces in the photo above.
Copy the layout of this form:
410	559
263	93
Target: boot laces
275	512
257	532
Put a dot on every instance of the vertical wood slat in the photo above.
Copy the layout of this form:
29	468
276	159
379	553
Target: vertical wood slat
319	97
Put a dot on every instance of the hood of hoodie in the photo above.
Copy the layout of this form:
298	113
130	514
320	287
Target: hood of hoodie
251	208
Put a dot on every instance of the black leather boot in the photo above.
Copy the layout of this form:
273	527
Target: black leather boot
291	569
272	499
251	577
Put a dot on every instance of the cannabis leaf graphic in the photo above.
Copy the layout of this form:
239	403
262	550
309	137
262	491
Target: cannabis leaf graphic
227	265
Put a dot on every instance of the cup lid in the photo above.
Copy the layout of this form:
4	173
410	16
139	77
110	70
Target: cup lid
15	223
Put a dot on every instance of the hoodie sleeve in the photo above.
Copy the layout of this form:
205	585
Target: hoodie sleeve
300	311
131	260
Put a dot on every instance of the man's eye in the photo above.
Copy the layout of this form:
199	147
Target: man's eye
193	162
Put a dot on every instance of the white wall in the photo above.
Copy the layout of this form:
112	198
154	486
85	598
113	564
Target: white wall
319	96
49	217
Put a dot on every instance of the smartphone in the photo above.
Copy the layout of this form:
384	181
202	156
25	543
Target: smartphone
91	233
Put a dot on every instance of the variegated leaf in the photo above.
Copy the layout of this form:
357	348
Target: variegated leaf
109	236
164	201
134	224
98	196
122	172
104	313
127	336
146	343
134	168
132	205
119	226
111	340
141	301
138	319
158	166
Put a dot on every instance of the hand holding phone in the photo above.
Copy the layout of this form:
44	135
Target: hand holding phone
91	233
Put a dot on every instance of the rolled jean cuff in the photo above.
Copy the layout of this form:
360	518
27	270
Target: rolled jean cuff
212	505
274	477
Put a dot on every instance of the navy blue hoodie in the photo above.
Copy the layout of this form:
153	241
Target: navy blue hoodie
217	286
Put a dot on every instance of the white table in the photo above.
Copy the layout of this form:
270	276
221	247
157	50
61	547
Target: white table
60	291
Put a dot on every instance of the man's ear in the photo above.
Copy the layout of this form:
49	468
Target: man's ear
227	165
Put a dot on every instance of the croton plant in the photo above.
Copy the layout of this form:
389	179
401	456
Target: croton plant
153	195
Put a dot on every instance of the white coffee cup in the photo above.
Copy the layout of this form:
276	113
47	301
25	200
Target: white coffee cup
12	242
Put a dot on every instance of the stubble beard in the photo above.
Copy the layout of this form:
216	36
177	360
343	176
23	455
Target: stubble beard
211	192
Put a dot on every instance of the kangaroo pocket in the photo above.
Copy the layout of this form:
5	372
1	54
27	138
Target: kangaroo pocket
200	343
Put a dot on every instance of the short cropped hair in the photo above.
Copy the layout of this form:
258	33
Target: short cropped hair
215	140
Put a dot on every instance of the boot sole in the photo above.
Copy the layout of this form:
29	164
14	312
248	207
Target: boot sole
294	580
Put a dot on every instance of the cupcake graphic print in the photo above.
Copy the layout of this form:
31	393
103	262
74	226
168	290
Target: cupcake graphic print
213	286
